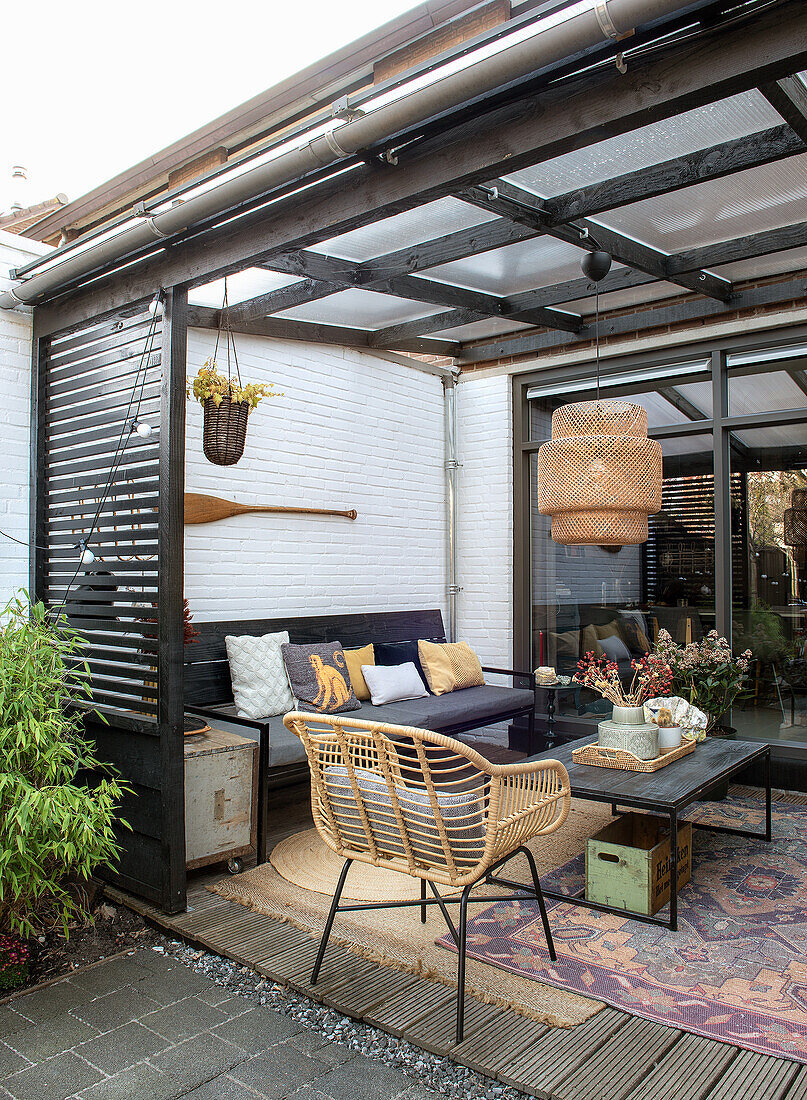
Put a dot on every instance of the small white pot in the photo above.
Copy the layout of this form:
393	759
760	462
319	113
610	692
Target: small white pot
669	738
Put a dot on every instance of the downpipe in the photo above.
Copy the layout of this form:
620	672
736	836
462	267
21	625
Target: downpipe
452	466
606	19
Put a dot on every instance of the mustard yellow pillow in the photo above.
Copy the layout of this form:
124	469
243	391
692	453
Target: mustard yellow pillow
450	666
355	658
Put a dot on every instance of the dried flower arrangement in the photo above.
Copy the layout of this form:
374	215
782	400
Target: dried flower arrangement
651	676
706	673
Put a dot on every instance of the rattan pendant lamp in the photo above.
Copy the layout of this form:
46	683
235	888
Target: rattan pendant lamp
599	477
796	519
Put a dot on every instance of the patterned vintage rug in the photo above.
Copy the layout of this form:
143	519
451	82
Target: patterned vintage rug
737	968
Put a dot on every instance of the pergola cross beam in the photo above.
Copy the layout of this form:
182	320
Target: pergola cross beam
508	200
789	97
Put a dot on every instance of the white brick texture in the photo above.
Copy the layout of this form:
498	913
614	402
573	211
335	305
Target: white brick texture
15	387
351	431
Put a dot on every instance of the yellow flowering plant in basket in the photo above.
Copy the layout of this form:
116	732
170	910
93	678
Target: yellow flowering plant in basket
211	384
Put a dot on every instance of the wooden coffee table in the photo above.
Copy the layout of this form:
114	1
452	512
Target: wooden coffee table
668	792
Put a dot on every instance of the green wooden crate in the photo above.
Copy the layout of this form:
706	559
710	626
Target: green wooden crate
628	863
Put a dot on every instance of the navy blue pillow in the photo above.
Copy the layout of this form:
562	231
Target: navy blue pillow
399	653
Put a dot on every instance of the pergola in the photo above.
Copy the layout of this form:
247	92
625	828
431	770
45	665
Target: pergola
680	149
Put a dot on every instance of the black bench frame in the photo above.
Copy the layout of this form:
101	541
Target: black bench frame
209	693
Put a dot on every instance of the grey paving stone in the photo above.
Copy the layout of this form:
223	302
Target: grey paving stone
122	1047
54	1036
289	1060
364	1077
114	1009
310	1042
184	1019
10	1061
52	1000
257	1030
197	1060
261	1075
110	975
222	1088
170	984
53	1079
141	1082
11	1021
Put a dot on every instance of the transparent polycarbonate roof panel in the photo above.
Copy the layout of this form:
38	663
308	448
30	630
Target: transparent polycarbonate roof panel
659	411
698	394
771	391
777	263
359	309
516	267
480	330
686	133
688	445
633	296
426	223
242	286
783	435
753	201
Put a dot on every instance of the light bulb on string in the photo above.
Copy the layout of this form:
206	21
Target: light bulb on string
87	557
142	428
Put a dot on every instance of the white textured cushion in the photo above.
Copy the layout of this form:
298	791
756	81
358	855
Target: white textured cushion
392	683
260	684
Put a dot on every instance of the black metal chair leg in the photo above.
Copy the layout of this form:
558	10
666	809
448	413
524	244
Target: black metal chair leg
539	895
423	900
463	939
323	943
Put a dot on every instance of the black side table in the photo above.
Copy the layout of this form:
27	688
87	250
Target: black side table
552	692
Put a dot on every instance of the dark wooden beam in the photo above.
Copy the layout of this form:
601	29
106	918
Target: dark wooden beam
800	378
340	274
687	309
740	248
285	297
712	163
514	202
443	250
284	328
683	404
598	104
789	97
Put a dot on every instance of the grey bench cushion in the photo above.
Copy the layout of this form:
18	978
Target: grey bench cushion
463	814
439	712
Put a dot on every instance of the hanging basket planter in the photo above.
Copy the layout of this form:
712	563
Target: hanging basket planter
225	430
600	476
795	519
226	400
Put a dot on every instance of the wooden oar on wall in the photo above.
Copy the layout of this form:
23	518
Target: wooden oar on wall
204	509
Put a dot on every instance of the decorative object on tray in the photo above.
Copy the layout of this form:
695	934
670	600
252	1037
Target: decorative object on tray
691	721
545	675
564	681
200	508
627	729
669	735
227	402
602	757
704	673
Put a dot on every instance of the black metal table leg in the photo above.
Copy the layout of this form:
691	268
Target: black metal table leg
674	870
550	719
768	828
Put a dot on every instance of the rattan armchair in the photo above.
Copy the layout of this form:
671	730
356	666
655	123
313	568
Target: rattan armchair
428	806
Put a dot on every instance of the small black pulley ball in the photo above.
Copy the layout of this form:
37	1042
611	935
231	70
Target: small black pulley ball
596	265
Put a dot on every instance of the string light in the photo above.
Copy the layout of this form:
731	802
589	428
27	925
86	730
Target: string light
87	556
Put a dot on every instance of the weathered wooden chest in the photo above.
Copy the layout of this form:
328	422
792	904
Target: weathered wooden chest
221	797
628	863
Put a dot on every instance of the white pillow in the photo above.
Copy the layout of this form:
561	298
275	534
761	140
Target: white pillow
393	683
260	684
614	648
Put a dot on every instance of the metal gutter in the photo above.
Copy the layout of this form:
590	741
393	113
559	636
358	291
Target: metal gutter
606	19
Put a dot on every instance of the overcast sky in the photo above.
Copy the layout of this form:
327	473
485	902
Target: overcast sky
91	87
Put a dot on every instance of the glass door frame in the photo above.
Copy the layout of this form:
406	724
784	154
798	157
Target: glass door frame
721	424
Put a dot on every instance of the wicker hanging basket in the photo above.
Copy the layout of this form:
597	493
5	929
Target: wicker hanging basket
600	476
796	519
225	430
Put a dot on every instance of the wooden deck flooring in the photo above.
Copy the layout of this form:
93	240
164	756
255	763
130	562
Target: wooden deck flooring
612	1056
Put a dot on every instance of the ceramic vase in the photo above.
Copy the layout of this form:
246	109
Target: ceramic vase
669	738
627	730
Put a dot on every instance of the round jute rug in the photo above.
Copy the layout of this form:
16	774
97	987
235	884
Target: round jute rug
306	861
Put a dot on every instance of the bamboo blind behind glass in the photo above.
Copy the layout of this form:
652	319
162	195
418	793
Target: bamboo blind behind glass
89	379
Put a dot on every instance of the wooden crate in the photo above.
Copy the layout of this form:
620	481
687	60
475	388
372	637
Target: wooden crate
628	863
221	797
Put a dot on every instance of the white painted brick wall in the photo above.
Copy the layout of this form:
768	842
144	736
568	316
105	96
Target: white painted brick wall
352	431
485	527
15	387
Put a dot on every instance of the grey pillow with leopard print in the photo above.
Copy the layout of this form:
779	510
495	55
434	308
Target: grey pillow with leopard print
319	678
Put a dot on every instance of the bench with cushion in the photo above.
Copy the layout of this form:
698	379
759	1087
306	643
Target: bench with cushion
209	693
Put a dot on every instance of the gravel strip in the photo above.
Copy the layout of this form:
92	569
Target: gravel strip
440	1074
